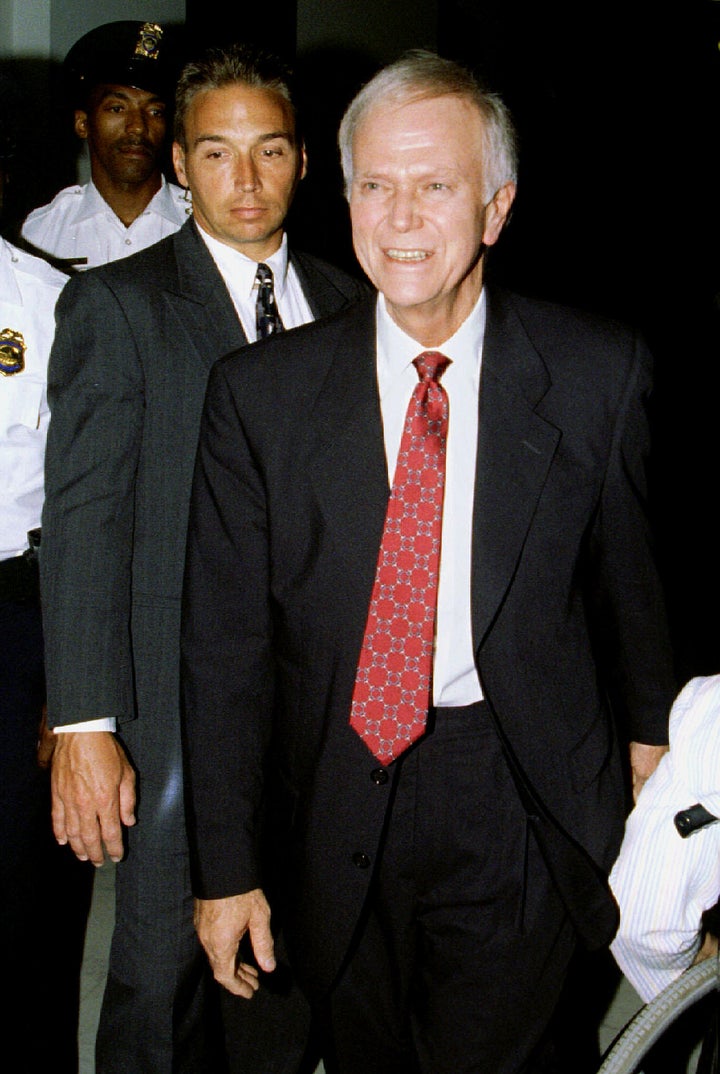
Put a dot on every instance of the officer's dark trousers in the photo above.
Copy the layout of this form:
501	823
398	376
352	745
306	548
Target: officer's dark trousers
44	890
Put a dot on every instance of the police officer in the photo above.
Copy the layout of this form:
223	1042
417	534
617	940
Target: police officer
120	78
40	883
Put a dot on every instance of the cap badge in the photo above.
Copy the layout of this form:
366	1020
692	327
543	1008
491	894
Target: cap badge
148	42
12	352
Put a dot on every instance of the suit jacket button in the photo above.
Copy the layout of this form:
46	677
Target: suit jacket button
361	860
379	776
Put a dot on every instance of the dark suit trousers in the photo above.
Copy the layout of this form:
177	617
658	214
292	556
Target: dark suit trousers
157	1015
460	962
44	890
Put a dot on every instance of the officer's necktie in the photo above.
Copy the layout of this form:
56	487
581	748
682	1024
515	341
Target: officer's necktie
392	685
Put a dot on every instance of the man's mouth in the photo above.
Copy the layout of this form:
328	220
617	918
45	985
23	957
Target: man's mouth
407	255
133	148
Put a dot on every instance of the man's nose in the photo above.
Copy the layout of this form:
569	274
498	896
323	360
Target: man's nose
246	173
404	212
136	121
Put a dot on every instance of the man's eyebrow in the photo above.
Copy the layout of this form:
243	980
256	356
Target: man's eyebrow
114	93
125	96
269	137
209	138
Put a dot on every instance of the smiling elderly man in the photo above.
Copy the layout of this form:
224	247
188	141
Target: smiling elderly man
419	579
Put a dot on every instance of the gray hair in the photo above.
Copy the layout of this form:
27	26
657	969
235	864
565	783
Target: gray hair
219	67
420	75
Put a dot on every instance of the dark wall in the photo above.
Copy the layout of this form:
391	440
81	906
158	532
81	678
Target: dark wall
618	107
44	148
215	22
618	210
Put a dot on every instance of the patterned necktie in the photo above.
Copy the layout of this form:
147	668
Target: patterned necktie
392	684
267	318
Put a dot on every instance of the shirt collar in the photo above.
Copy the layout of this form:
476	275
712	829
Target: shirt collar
94	204
396	349
163	202
242	269
8	284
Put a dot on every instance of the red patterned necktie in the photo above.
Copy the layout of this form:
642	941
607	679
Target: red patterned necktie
392	685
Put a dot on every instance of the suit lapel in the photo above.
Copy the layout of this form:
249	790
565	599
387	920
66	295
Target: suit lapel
322	295
201	300
349	472
515	449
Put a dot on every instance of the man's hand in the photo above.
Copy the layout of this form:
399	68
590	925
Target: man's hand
709	948
93	794
643	762
46	741
221	925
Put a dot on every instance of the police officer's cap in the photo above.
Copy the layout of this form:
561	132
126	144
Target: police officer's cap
126	53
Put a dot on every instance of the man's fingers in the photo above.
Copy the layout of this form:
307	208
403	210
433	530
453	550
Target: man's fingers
84	833
709	949
110	835
82	843
262	943
67	822
246	980
58	820
127	798
644	760
112	831
242	980
89	847
88	834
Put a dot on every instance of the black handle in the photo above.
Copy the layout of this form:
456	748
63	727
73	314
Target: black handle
690	820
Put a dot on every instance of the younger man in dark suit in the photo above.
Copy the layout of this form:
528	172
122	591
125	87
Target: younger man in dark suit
444	679
134	346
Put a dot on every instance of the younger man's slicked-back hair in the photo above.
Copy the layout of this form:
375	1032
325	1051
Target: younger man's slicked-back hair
219	67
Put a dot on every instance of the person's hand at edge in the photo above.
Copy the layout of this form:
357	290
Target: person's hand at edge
93	794
221	924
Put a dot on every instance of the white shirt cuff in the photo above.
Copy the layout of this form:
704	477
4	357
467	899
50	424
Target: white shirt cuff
107	723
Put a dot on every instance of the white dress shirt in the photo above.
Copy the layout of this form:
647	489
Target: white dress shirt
79	228
239	271
455	677
662	882
29	288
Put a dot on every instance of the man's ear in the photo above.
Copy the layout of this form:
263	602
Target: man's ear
303	162
81	128
178	159
497	213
